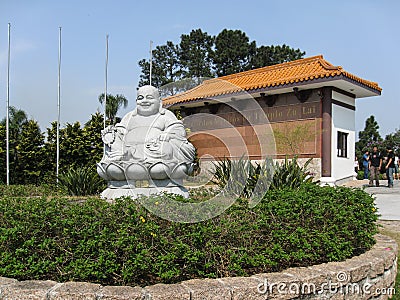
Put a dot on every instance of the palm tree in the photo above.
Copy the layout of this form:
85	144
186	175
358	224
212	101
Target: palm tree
17	118
114	103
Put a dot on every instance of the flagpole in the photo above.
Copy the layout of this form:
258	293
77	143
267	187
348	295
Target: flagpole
151	59
8	108
58	102
105	84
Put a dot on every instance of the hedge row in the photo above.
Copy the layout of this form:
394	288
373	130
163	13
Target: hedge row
124	244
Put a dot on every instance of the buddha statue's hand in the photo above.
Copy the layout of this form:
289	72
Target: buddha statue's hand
164	137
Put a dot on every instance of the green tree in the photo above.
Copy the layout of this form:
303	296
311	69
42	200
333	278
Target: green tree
367	137
17	118
2	153
271	55
393	140
196	54
49	153
114	103
72	149
30	155
92	139
201	55
165	66
79	147
233	52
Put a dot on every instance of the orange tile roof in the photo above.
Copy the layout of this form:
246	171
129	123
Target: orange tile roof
301	70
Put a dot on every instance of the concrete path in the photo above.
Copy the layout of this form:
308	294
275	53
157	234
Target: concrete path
387	200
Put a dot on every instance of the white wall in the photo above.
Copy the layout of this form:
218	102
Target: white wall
343	119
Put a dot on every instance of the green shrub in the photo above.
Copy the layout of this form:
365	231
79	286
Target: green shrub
124	244
30	190
81	181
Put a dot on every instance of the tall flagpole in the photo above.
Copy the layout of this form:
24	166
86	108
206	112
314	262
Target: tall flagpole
105	84
8	108
58	102
151	59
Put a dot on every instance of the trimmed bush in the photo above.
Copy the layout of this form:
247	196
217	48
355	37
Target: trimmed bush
30	190
124	244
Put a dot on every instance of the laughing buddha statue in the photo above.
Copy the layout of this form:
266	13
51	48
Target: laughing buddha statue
148	144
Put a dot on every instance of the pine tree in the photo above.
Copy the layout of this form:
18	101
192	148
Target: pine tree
370	135
233	52
196	54
29	167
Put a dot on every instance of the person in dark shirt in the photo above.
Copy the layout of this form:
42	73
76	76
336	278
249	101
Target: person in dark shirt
390	167
375	164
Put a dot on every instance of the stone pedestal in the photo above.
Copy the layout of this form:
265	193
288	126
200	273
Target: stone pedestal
134	192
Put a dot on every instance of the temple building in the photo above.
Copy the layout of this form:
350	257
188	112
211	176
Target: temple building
310	105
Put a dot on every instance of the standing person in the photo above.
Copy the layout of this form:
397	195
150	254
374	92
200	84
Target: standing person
366	164
356	165
390	166
396	167
375	164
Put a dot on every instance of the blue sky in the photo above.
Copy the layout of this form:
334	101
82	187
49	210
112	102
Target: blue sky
361	36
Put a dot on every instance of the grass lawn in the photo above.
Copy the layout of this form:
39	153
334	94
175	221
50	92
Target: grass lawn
390	230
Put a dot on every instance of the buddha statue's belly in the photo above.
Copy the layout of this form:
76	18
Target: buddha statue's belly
140	135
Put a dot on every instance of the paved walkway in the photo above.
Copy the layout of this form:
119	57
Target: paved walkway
387	200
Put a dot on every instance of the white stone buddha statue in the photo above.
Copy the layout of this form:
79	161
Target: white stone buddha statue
148	144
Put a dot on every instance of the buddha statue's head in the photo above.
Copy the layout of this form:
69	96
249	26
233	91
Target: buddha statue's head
148	101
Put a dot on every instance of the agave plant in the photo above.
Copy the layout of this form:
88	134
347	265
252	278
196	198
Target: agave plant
241	177
244	178
81	181
231	175
290	174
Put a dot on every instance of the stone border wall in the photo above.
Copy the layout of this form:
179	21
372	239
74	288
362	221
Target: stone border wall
373	272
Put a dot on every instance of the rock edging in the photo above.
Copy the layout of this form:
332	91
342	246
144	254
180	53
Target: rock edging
368	276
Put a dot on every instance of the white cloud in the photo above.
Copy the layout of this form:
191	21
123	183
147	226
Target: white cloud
18	46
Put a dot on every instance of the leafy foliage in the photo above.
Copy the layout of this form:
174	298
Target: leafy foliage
272	55
368	137
200	55
114	103
33	158
290	174
30	190
393	140
233	52
292	139
165	68
124	244
196	54
81	181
